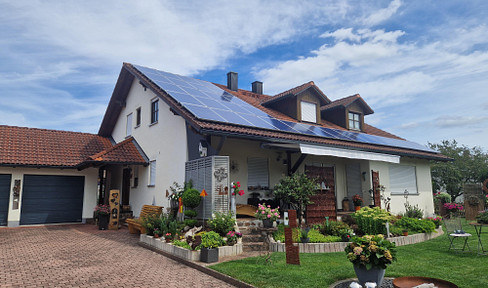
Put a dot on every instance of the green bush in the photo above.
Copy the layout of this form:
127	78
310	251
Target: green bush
151	223
182	244
482	217
222	223
396	230
191	213
413	211
415	225
371	221
211	240
279	234
191	222
314	235
191	198
333	228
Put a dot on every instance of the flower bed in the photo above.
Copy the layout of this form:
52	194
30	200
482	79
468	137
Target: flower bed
184	253
339	246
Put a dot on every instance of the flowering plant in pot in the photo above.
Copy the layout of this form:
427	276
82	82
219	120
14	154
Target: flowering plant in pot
236	189
232	237
370	255
267	214
210	243
357	200
453	208
102	213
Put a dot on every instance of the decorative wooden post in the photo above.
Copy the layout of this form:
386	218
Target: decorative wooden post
292	251
114	210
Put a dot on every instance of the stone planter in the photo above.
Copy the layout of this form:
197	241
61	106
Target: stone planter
209	255
267	223
103	221
374	274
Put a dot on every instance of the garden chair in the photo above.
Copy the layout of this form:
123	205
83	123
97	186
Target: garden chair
455	230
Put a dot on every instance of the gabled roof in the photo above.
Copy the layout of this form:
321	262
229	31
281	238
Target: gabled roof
126	152
346	102
32	147
382	141
296	91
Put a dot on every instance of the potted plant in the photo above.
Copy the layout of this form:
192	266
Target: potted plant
232	237
191	199
304	235
157	233
370	254
102	212
405	232
210	243
235	190
358	201
267	214
482	218
168	237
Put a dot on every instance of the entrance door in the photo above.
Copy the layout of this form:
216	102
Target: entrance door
4	197
376	192
126	186
324	201
353	179
52	199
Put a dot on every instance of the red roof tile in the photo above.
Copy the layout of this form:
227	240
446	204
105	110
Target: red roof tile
295	91
22	146
344	102
123	152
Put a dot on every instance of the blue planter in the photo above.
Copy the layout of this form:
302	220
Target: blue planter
374	274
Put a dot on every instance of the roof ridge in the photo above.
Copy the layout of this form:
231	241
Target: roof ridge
51	130
106	151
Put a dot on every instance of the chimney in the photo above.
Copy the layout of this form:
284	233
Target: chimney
257	87
232	81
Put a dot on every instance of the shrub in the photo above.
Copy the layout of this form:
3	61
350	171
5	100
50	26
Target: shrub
191	222
482	217
222	223
372	220
416	225
413	211
316	237
371	251
151	223
211	240
191	213
437	221
191	198
333	228
182	244
279	234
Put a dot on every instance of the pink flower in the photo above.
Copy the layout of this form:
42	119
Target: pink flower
272	210
269	216
262	212
269	206
276	214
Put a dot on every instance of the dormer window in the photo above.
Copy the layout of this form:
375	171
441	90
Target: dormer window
309	111
354	121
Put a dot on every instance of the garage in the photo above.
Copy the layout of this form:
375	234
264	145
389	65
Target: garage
4	197
52	199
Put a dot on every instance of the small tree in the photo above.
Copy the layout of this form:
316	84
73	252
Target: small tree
296	191
191	199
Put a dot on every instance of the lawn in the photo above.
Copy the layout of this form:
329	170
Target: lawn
429	259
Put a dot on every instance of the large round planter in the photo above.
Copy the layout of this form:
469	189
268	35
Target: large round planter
103	221
267	223
374	274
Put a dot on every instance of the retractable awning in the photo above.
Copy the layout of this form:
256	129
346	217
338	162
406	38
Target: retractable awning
347	153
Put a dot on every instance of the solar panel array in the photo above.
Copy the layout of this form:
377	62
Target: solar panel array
207	101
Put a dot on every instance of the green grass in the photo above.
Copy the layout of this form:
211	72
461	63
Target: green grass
428	259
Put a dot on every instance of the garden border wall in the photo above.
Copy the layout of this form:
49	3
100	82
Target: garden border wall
339	246
184	253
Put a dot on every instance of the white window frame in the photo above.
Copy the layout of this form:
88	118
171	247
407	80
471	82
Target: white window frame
403	177
308	111
354	118
151	181
128	127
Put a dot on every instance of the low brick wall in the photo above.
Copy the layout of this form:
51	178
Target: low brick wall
339	246
186	254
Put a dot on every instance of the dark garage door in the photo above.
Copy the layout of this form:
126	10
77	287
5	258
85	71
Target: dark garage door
4	197
52	199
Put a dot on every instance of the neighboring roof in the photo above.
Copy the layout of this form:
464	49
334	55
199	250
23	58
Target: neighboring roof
22	146
127	152
296	91
347	101
210	127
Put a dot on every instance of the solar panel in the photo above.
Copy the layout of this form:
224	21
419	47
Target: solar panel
207	101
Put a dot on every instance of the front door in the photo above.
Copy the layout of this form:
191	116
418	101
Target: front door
324	201
376	192
126	186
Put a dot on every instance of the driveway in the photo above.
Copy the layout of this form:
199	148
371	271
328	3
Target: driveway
83	256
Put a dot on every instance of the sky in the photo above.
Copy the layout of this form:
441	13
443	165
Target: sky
421	65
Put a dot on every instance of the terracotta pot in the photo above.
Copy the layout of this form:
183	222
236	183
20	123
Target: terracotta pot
405	233
358	208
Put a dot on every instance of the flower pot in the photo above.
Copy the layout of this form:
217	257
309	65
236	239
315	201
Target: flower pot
156	236
209	255
168	240
405	233
103	220
374	274
233	205
358	208
267	223
305	240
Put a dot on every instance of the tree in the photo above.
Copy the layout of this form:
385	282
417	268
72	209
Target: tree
469	165
296	191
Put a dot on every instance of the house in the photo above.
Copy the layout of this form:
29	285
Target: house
156	122
173	117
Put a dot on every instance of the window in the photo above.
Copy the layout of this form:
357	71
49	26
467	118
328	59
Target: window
135	176
257	173
154	111
138	117
309	112
152	173
128	126
354	121
403	177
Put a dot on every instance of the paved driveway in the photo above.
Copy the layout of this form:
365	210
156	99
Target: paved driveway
83	256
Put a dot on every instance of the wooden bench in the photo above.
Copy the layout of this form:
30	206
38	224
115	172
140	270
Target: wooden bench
135	224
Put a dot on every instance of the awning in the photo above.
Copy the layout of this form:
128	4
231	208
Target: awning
347	153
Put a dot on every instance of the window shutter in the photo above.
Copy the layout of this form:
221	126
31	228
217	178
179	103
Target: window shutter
309	112
403	177
257	172
128	128
152	173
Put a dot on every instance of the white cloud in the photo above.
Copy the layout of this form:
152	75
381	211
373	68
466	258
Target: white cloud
383	14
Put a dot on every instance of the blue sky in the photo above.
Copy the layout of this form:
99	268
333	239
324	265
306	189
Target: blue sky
421	65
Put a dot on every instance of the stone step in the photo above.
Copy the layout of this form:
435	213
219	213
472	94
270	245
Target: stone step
252	238
250	231
253	246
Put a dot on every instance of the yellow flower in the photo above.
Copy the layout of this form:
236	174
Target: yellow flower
373	248
358	250
364	258
388	255
351	256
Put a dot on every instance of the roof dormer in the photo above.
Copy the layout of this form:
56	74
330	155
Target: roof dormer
301	103
347	112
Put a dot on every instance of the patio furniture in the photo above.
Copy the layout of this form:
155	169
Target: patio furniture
412	281
243	209
477	228
135	226
455	230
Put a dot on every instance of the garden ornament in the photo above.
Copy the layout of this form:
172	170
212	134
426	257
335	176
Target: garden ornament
370	285
355	285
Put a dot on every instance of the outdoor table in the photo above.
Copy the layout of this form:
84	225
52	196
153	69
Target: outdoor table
477	228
